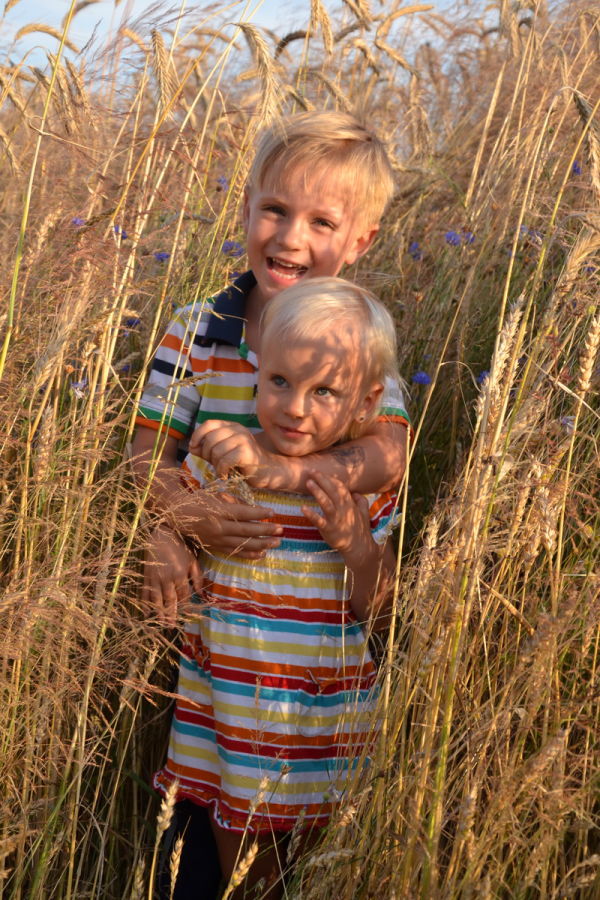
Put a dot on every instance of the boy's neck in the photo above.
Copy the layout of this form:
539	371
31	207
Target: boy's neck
254	307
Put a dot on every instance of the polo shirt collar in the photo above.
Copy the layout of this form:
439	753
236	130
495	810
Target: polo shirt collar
229	309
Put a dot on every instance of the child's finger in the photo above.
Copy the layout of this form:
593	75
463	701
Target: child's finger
196	576
313	517
332	485
325	499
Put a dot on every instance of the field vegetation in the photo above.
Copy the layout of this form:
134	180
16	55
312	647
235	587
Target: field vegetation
121	170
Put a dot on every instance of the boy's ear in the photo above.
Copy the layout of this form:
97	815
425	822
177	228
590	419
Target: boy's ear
361	244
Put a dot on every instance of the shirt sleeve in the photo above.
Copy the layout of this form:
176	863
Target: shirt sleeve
393	404
171	399
384	513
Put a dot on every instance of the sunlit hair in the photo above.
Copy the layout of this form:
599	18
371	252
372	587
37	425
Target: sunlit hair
327	145
317	307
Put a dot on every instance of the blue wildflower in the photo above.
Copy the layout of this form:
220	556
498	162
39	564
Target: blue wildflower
452	238
132	322
414	250
576	169
161	256
421	377
223	184
232	248
589	270
77	221
79	388
125	367
119	230
568	423
468	237
483	375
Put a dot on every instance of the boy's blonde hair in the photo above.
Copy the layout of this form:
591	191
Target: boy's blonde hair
319	142
315	307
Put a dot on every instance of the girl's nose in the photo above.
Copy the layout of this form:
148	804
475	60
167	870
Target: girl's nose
295	405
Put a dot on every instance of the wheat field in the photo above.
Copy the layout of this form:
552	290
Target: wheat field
121	170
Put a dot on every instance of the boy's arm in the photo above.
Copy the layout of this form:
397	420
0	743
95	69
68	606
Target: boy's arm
217	522
372	463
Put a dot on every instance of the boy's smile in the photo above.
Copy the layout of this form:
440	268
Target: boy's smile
298	228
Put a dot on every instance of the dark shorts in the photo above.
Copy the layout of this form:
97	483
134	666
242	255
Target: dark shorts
199	871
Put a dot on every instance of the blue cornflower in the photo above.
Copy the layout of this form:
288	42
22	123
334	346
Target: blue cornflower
77	221
125	367
483	375
79	388
589	270
223	184
119	230
161	256
468	237
421	377
576	169
452	238
232	248
131	322
568	423
414	250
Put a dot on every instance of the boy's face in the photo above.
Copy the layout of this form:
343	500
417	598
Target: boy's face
301	228
311	391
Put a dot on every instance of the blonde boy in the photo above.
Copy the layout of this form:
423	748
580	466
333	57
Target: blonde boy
315	194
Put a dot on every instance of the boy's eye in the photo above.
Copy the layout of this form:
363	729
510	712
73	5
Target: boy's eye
325	223
274	208
278	380
324	391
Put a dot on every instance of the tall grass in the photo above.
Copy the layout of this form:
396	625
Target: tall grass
121	175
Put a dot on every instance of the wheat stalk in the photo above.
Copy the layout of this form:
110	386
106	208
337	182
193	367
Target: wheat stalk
241	871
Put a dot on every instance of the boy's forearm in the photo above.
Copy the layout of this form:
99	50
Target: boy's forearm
166	496
373	463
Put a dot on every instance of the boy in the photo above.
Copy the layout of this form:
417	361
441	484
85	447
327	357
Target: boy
315	194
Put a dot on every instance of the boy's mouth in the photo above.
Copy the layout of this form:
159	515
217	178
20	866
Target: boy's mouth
284	269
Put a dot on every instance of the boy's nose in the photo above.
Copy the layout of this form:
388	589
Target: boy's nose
291	233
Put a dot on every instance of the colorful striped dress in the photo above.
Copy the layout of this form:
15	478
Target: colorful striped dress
276	687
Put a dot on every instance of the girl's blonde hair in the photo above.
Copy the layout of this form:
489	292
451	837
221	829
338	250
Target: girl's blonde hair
315	307
334	145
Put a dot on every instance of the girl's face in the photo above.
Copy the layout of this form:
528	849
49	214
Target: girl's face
311	391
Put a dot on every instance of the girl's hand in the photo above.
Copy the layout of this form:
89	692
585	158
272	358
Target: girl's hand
344	520
228	446
171	574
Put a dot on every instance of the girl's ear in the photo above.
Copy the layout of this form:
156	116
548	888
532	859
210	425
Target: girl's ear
370	403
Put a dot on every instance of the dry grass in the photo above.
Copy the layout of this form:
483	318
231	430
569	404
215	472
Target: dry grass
486	774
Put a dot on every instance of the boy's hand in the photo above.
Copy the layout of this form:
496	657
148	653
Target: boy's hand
224	524
171	574
344	520
228	446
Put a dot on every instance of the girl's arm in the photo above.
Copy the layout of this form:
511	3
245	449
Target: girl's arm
344	523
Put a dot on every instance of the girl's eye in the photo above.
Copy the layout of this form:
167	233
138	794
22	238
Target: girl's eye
325	223
278	380
273	208
323	391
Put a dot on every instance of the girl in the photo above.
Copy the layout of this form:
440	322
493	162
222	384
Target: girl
276	684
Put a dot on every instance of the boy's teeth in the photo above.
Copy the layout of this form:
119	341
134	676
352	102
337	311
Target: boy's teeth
292	269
